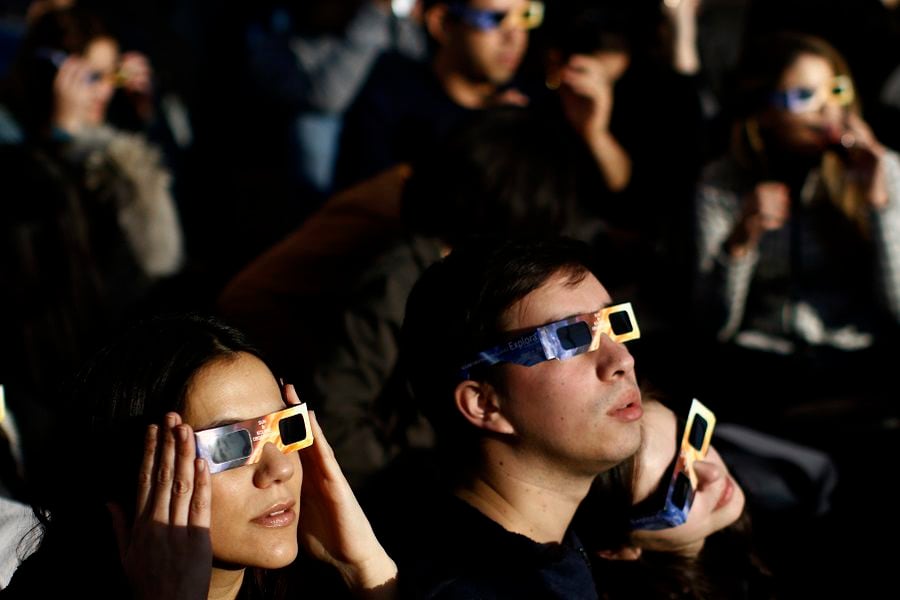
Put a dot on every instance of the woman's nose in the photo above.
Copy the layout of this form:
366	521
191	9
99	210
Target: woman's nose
274	466
707	473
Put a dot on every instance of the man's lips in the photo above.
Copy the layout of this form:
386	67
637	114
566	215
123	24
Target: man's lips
628	408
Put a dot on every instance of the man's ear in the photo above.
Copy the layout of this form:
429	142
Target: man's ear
479	403
624	553
436	22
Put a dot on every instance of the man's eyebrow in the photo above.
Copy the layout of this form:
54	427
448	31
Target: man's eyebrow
556	319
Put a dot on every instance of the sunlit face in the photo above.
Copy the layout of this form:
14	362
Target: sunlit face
494	55
255	507
581	414
821	124
718	501
102	56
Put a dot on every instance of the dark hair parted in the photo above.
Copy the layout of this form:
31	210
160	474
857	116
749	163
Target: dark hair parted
506	171
458	308
137	379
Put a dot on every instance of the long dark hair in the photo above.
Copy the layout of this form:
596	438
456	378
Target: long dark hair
29	92
727	567
128	385
759	71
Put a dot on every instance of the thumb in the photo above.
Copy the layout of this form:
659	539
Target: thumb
120	528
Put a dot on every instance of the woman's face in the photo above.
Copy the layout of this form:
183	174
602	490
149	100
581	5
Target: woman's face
809	109
718	500
102	56
254	507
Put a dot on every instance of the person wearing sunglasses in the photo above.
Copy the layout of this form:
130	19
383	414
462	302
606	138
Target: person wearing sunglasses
477	47
798	272
670	522
516	354
203	476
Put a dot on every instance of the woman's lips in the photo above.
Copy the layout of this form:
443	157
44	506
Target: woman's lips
727	493
280	515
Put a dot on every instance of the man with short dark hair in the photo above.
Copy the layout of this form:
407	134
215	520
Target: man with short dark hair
406	106
514	352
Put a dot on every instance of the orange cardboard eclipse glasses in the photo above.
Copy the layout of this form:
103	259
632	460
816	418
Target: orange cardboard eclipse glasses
239	444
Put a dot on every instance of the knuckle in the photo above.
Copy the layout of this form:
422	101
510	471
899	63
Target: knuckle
180	488
164	475
199	504
145	478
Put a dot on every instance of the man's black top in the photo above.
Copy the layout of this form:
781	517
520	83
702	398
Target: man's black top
464	554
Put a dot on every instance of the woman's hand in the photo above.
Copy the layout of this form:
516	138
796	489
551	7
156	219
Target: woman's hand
72	95
167	553
137	80
587	95
864	157
333	527
682	14
766	208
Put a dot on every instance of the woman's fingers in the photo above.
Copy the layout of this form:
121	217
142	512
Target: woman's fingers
290	395
146	472
183	482
137	71
201	500
323	454
165	471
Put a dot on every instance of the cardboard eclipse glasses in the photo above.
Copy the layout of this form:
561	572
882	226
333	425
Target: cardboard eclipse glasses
239	444
530	16
805	99
562	339
682	486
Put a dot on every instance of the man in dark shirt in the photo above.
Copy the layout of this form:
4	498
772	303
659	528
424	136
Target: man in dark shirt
515	355
406	106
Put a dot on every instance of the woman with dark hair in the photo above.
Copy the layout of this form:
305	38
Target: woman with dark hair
638	554
799	237
186	433
89	231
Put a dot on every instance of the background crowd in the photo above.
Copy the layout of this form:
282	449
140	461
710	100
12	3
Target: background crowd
294	167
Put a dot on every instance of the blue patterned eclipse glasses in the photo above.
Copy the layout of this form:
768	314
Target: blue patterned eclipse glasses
530	16
561	340
804	99
679	495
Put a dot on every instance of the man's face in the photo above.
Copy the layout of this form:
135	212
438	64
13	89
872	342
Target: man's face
492	55
583	414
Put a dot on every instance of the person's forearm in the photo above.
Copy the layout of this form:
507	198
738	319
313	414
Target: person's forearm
686	58
613	160
375	579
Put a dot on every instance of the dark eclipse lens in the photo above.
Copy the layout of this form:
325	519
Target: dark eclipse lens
292	429
233	446
574	336
620	322
698	432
